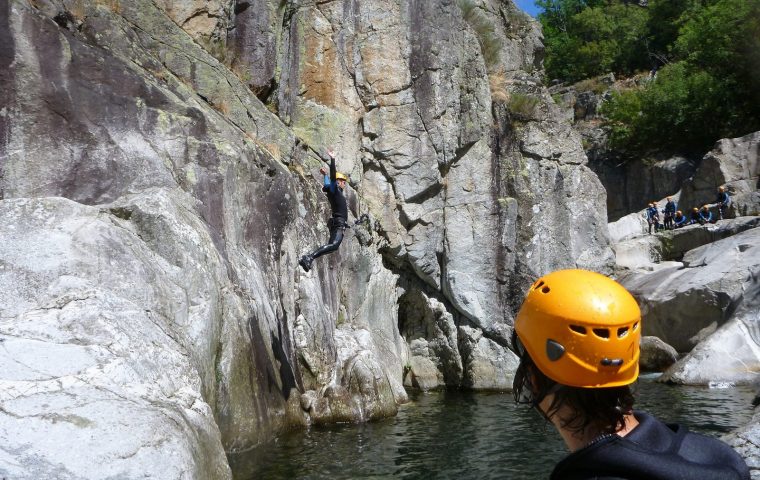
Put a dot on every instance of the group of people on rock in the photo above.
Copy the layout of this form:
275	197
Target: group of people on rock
674	218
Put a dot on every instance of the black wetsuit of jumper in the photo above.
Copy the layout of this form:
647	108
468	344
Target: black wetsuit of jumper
337	223
653	451
669	213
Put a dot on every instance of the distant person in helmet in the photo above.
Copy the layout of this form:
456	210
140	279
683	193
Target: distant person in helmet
679	219
334	184
577	335
722	202
694	218
668	213
653	217
705	215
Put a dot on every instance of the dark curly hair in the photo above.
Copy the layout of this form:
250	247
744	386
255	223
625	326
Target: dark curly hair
603	409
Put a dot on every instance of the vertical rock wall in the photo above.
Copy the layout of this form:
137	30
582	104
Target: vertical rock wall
473	197
156	209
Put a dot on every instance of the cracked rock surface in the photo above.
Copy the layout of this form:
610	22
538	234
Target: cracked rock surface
158	183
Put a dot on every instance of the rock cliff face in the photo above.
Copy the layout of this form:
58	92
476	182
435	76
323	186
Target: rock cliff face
158	184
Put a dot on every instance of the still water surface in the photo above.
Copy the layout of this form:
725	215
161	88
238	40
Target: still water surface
460	435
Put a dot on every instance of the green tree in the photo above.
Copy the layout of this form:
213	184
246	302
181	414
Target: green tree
710	91
663	25
585	38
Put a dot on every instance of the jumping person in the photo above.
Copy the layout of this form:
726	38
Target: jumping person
723	201
334	184
669	213
577	335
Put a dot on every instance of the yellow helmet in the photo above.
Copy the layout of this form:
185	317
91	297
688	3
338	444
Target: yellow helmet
581	329
340	176
721	189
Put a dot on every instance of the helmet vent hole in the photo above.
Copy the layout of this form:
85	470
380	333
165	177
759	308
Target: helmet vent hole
622	332
539	285
578	329
602	332
635	326
545	290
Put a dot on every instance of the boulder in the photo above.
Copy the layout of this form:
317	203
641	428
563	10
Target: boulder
632	225
488	364
732	163
746	441
435	360
732	353
639	253
667	247
681	305
656	355
675	243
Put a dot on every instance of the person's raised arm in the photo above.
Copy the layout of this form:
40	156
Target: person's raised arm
333	171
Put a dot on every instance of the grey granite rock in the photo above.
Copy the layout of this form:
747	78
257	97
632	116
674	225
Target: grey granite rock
656	355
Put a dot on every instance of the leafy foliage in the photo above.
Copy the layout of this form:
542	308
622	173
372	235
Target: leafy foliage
589	38
708	86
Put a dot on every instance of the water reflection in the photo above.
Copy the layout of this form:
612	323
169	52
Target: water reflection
453	435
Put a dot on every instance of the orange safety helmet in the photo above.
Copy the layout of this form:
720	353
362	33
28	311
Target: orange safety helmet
581	329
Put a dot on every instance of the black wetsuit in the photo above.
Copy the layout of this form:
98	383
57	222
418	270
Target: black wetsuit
337	223
653	451
669	213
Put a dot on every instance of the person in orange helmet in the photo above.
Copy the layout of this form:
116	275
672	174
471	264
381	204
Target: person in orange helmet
577	335
334	185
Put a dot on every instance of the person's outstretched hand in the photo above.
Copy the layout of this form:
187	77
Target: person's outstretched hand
331	153
323	171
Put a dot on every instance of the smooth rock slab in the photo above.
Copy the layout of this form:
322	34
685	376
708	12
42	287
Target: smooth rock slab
681	305
94	381
731	354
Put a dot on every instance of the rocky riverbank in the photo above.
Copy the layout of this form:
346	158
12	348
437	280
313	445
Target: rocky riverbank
159	182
